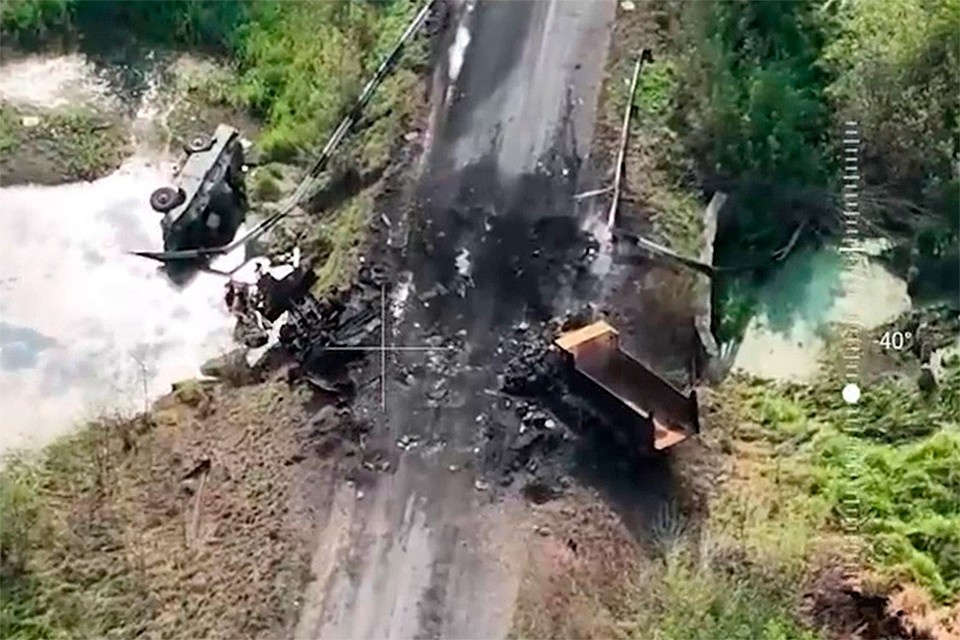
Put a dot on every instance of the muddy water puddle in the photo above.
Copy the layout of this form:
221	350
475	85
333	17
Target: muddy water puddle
813	291
86	328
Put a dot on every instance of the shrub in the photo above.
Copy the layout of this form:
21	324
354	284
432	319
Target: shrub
755	92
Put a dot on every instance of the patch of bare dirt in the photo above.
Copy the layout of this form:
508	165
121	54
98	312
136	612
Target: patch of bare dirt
220	522
841	602
582	560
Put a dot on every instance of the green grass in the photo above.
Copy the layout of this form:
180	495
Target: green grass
65	573
339	237
71	144
888	470
653	166
97	537
697	595
302	63
9	131
87	146
656	90
265	187
678	218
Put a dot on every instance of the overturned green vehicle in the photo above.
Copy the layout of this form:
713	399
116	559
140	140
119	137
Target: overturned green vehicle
208	201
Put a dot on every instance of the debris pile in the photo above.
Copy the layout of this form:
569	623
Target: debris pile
323	334
527	442
545	424
532	368
538	453
340	429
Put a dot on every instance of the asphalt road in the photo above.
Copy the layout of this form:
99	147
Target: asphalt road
421	552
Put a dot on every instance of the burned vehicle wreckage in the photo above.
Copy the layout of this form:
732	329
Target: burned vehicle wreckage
206	204
580	375
323	336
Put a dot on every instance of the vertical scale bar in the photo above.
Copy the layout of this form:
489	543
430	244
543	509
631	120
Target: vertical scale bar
850	250
850	508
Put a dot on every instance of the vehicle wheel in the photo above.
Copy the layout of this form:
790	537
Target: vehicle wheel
200	143
166	198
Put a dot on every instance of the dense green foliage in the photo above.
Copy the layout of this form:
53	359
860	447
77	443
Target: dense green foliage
33	19
895	66
213	23
754	115
888	470
896	73
767	89
772	83
298	64
301	63
757	99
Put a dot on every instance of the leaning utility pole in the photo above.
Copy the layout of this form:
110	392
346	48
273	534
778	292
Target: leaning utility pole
645	56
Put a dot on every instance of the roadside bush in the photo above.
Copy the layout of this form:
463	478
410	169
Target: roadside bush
704	597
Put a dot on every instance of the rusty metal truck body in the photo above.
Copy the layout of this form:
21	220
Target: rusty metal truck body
645	411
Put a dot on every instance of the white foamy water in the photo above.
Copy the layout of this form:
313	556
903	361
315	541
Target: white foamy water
84	324
52	81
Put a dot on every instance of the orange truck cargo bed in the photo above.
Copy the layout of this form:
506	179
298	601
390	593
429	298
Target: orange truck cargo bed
648	410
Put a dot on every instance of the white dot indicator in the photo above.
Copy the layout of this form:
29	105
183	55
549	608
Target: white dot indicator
851	393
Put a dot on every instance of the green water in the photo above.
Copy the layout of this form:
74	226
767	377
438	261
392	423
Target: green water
795	309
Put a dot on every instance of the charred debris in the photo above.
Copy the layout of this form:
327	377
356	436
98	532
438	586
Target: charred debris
547	404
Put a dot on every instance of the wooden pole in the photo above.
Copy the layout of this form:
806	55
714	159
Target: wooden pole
645	56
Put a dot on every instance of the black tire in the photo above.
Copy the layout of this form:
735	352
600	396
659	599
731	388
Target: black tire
198	144
165	199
